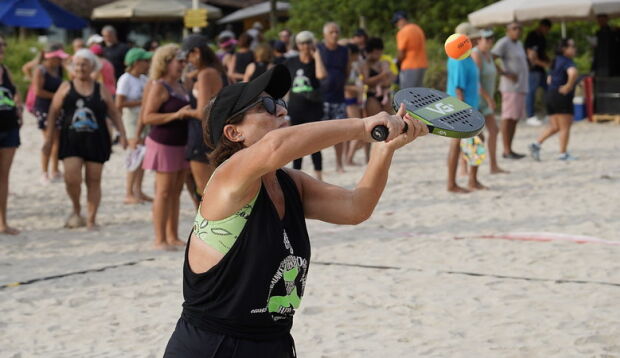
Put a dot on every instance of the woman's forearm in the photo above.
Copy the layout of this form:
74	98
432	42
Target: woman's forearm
374	80
290	143
368	191
40	92
485	94
572	78
116	120
129	104
159	118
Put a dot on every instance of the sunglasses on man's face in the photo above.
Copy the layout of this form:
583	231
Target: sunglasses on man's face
270	105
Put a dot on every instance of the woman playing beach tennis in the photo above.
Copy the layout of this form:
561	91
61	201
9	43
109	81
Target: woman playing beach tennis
248	255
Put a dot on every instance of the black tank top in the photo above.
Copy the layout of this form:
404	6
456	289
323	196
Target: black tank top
83	120
193	102
253	291
8	111
371	90
261	67
194	126
174	132
50	84
242	60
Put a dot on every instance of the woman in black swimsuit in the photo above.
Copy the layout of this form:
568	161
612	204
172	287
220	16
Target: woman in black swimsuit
241	293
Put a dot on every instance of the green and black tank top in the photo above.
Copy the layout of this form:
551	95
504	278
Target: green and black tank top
254	290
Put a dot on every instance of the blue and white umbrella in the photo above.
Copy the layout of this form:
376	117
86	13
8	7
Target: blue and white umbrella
38	14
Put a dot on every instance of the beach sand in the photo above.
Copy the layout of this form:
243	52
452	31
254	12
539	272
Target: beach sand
416	279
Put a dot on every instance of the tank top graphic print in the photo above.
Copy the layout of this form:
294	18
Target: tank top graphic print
6	99
301	83
290	275
83	119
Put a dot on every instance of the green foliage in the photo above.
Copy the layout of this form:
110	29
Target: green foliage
436	74
17	53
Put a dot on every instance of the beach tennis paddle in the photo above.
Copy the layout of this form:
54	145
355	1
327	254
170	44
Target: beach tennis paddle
443	114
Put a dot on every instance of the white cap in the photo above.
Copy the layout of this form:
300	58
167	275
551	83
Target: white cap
94	39
467	29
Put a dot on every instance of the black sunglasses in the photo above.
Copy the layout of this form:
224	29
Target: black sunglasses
269	103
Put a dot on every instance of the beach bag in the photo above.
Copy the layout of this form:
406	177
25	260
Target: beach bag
30	98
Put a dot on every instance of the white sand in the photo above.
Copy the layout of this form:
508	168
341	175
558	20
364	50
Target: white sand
424	305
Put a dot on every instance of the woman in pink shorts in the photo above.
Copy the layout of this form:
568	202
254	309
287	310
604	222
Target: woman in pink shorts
166	110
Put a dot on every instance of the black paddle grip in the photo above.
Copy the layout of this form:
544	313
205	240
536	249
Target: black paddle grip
380	133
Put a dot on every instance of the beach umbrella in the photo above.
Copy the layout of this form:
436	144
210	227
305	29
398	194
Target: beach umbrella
38	14
563	10
150	9
506	11
499	13
260	9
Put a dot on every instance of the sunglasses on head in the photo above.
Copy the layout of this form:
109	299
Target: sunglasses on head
269	103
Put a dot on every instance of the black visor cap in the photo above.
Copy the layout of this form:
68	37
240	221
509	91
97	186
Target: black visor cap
231	99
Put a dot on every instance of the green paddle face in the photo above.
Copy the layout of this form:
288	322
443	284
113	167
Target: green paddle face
444	115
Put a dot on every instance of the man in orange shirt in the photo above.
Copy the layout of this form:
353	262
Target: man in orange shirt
410	41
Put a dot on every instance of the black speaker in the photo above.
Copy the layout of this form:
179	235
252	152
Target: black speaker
607	103
606	85
607	95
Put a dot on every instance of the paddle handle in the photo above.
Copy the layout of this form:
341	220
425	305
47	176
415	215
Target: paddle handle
380	133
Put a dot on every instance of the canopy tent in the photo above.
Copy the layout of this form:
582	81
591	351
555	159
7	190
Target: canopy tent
38	14
499	13
255	10
562	10
506	11
150	9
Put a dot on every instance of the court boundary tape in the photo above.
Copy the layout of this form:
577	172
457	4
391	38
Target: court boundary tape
467	273
53	277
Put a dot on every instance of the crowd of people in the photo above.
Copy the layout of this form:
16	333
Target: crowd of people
152	103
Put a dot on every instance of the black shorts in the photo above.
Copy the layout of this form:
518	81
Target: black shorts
196	149
89	151
9	138
558	103
188	341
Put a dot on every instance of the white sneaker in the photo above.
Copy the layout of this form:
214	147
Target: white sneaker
534	122
44	180
535	151
566	157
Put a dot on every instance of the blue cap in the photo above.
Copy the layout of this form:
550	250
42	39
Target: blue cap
398	15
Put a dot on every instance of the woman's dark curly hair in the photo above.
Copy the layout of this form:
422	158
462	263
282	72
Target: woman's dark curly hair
225	148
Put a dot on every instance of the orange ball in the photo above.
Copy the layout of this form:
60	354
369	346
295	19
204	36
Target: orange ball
458	46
